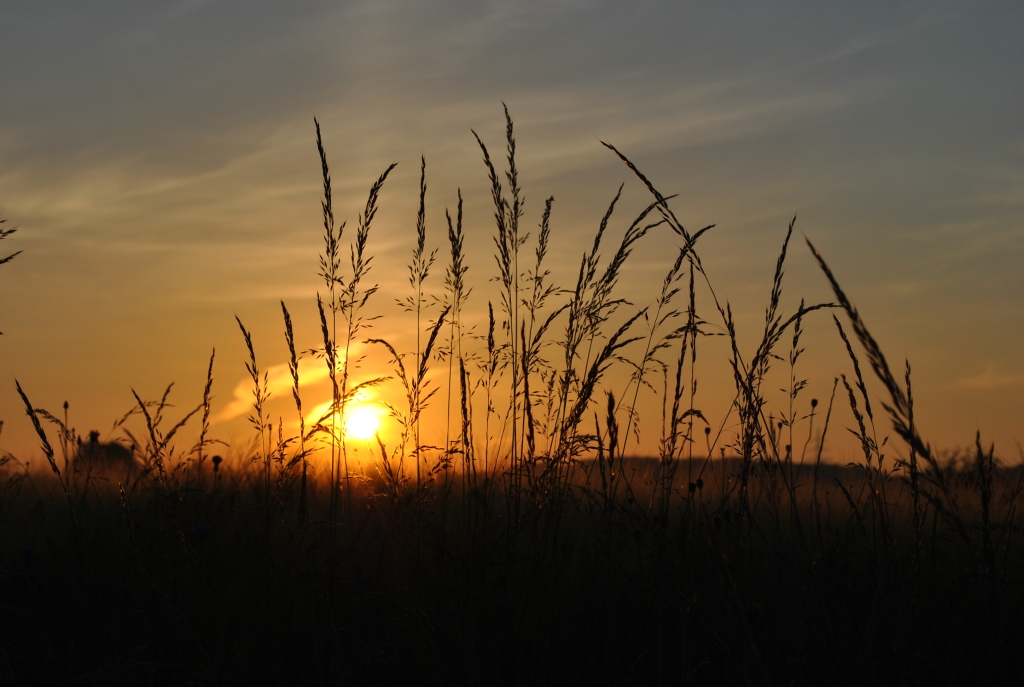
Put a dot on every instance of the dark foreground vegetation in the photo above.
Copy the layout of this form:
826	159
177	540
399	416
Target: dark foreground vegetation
830	579
526	549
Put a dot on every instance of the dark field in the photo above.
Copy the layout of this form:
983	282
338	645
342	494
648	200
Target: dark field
605	586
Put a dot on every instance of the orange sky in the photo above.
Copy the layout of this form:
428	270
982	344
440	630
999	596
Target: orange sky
160	165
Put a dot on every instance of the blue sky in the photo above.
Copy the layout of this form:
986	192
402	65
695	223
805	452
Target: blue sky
159	161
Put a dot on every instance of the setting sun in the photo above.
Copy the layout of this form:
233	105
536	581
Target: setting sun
362	417
362	421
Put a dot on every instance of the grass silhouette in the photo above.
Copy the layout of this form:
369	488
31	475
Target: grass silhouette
532	547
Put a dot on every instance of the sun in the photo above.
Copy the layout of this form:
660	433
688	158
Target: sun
362	422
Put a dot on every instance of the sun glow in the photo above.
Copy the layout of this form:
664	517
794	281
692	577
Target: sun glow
363	417
362	421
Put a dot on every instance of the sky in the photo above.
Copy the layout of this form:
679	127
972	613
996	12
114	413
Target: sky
159	162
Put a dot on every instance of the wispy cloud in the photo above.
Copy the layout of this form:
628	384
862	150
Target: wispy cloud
991	378
279	383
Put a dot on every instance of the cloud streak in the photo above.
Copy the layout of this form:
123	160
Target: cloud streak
991	378
279	384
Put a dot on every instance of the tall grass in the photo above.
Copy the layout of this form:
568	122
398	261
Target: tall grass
533	546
